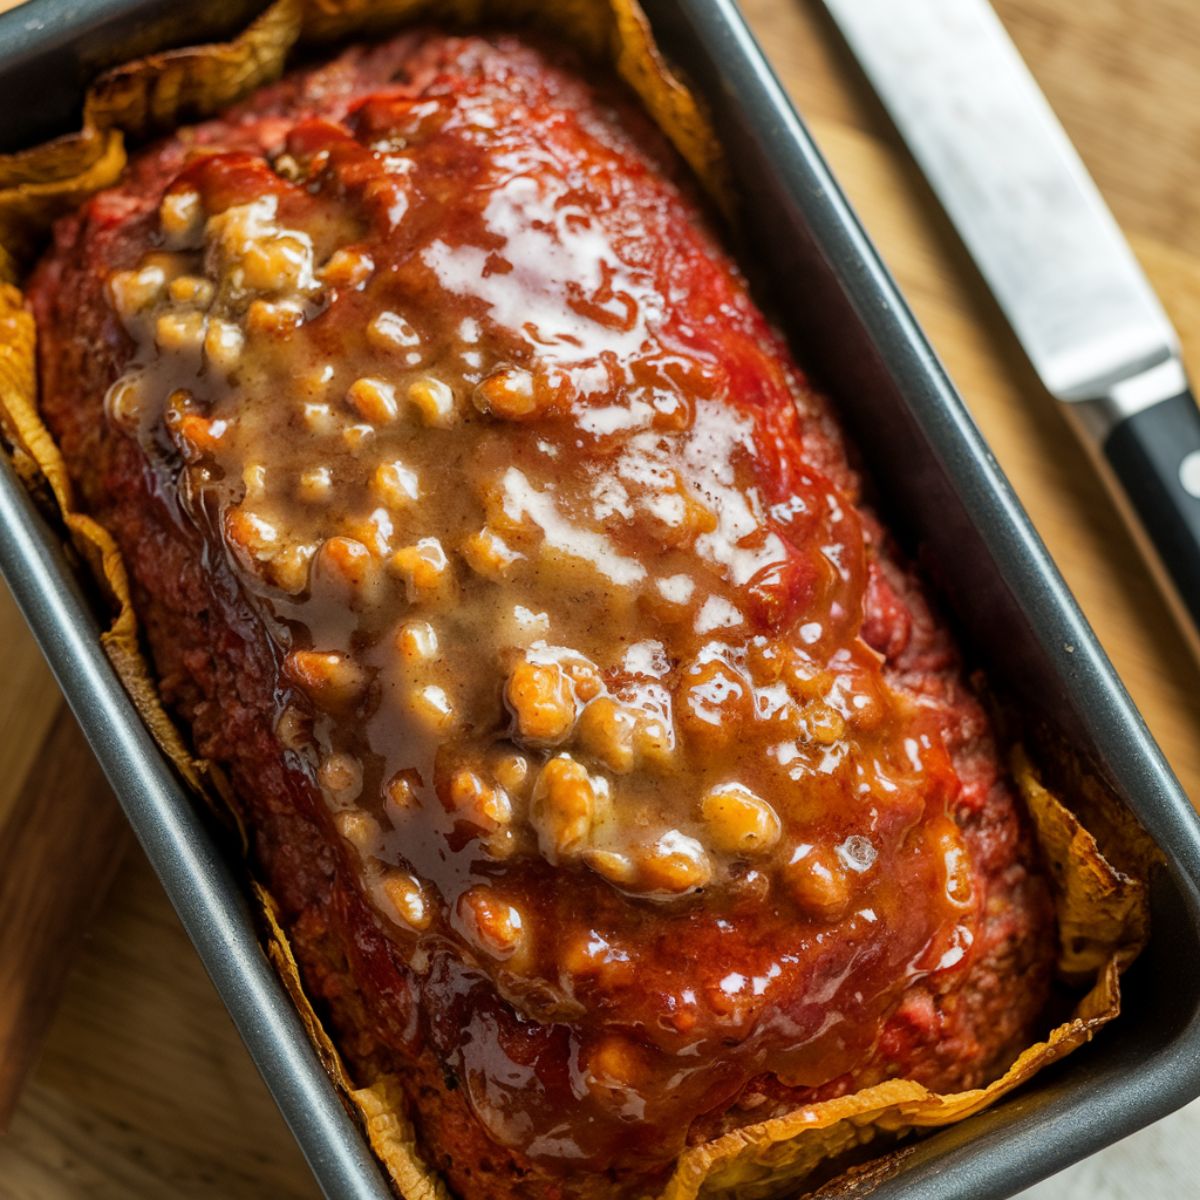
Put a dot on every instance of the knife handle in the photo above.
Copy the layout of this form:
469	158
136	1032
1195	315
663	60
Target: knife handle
1155	456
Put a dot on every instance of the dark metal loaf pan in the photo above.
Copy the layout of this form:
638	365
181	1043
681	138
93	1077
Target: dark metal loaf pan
940	487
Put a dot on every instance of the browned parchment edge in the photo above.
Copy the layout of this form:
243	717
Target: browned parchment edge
1101	912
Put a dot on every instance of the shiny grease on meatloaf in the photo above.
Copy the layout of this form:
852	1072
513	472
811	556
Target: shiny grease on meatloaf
615	780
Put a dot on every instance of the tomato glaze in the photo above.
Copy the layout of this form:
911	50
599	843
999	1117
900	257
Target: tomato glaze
566	593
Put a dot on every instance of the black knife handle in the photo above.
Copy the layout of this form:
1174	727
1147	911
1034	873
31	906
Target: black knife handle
1155	455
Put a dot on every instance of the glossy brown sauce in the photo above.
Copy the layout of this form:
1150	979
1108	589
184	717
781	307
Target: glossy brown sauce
568	625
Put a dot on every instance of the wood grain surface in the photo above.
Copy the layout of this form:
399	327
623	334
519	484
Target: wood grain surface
59	851
143	1089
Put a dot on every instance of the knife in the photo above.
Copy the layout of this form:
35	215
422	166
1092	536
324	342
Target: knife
1052	254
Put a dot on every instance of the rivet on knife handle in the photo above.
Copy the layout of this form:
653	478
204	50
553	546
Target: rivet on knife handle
1155	456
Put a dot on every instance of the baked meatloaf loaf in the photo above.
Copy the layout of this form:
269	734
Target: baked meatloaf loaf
614	779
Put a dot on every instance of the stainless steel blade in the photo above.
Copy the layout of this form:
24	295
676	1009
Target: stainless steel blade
1021	199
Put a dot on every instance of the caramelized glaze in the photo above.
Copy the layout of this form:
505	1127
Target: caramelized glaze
568	623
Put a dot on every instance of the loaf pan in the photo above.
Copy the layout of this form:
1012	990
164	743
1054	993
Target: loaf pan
940	487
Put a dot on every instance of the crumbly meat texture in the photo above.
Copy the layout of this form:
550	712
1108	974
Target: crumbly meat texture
696	762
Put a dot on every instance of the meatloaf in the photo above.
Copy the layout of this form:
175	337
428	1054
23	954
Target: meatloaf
615	781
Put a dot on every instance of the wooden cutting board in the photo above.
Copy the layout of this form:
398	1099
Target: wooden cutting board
143	1089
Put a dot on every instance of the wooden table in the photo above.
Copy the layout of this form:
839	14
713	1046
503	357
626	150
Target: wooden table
144	1090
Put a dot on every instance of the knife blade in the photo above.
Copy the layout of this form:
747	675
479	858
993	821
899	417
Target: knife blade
1053	256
